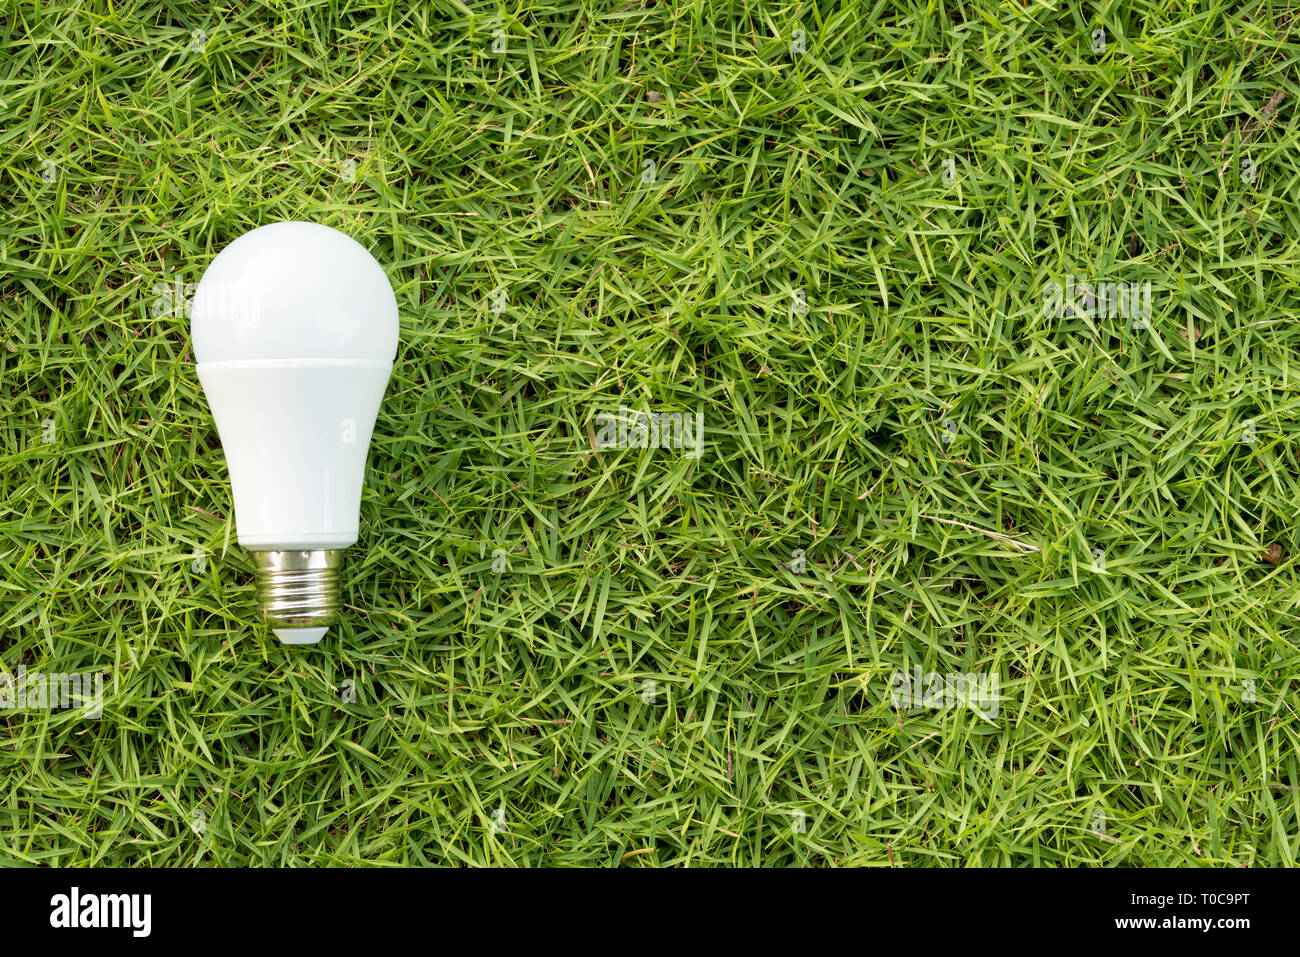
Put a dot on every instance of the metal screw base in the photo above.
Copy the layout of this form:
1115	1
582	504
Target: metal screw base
300	589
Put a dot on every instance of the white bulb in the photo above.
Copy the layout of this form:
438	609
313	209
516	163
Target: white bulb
295	331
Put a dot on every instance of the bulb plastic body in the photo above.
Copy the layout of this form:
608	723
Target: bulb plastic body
295	330
295	434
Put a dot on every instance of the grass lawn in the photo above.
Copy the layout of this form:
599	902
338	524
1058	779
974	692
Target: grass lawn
859	240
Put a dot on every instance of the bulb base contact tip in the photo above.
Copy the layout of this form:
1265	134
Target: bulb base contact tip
300	588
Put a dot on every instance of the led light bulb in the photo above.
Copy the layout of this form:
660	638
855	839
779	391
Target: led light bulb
295	333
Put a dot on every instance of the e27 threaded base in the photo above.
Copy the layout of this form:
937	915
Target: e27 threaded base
300	588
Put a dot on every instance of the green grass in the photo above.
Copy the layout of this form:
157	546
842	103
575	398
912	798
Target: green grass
129	156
